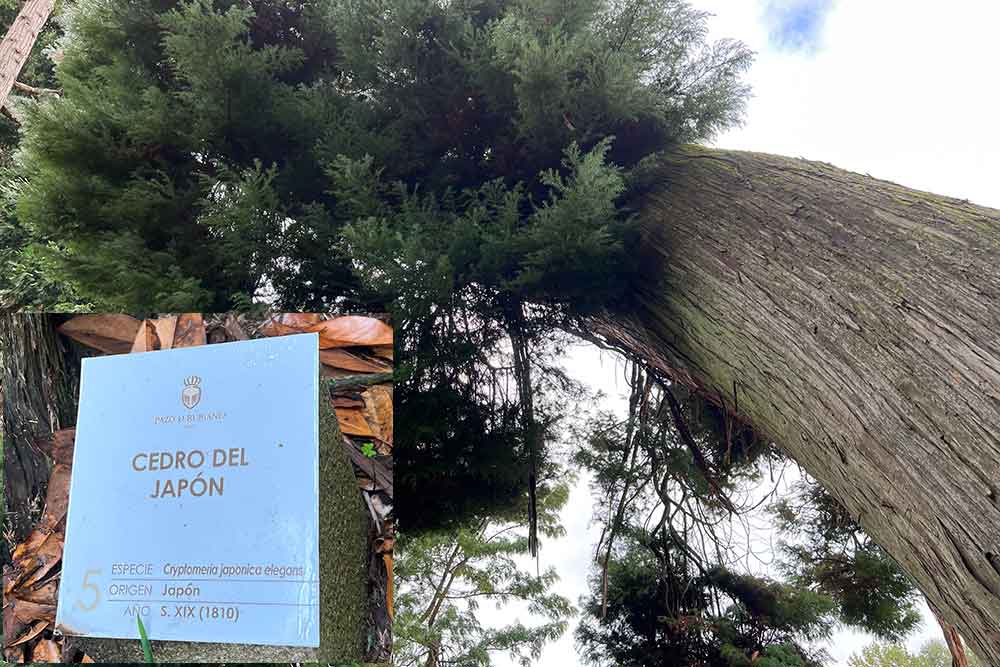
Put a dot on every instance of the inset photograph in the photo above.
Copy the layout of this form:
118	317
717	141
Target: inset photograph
197	487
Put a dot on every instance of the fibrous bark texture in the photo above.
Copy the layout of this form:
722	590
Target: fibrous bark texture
19	40
857	324
39	373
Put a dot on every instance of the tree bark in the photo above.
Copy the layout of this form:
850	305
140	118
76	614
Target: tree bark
953	641
32	356
858	322
19	40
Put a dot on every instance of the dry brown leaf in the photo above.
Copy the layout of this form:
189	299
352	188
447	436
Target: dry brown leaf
109	332
46	651
344	402
146	339
35	564
44	594
57	496
34	540
86	658
352	422
351	330
45	559
344	360
10	627
29	612
378	411
33	632
384	351
58	445
387	559
190	330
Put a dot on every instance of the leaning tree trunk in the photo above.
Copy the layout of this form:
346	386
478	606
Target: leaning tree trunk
19	40
857	324
32	355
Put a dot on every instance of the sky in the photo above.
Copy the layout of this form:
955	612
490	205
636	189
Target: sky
903	91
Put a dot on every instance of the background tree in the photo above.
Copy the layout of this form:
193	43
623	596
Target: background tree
931	654
443	577
675	578
18	43
829	552
26	279
455	159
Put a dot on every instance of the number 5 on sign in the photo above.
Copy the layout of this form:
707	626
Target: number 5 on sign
92	586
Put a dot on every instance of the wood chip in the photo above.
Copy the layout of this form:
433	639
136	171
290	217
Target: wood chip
190	330
166	328
384	351
344	360
110	333
146	339
281	325
46	651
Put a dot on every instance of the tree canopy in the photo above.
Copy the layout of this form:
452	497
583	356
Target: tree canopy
931	654
471	166
675	579
465	164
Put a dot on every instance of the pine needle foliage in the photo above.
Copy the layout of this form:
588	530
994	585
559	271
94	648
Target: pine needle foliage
830	552
463	163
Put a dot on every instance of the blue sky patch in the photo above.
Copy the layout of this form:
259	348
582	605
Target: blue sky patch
795	25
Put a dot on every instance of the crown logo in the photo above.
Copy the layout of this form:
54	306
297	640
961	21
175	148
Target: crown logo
191	393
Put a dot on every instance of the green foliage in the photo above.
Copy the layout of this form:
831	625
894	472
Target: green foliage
180	146
661	612
444	577
463	164
28	278
931	654
833	554
670	599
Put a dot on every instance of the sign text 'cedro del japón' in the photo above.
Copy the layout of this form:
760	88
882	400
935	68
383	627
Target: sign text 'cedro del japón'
194	496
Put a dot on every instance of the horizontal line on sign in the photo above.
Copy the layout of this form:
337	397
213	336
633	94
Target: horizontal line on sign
280	604
290	581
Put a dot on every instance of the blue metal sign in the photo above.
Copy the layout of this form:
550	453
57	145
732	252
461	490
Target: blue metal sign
194	496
